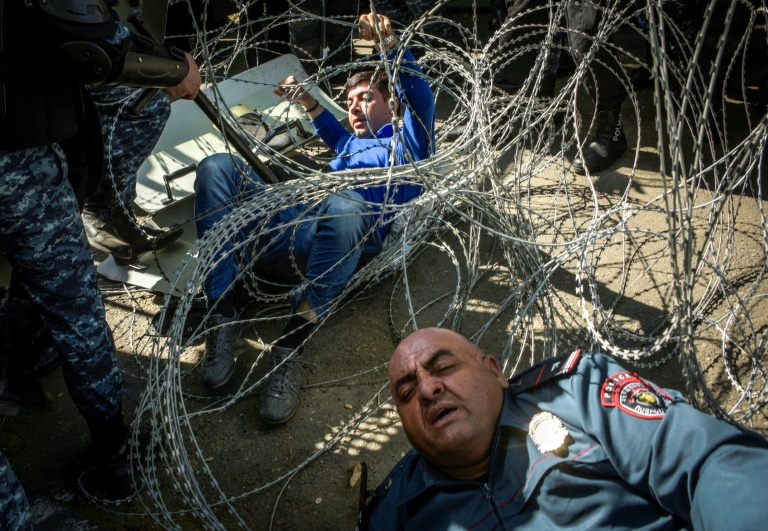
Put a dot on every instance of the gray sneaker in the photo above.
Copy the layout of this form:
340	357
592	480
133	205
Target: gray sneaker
219	364
280	396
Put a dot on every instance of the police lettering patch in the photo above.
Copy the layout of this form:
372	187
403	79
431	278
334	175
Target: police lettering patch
635	396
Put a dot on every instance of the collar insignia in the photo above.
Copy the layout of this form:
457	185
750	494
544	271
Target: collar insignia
547	432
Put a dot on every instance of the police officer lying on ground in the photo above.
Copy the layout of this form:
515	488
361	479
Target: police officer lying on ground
50	48
575	442
343	231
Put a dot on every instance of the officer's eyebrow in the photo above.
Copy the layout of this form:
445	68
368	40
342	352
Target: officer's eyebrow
411	376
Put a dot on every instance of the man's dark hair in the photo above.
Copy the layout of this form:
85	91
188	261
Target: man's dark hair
378	79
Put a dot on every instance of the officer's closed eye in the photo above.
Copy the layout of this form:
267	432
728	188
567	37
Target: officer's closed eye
443	368
404	394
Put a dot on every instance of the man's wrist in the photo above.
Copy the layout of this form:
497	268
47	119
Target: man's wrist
389	42
313	107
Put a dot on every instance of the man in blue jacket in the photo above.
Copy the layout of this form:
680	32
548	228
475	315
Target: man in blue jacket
337	235
575	442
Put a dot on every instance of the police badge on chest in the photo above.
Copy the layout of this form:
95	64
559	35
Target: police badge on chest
549	434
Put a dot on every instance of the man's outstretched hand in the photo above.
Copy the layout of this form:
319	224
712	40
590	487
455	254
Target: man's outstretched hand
369	24
289	88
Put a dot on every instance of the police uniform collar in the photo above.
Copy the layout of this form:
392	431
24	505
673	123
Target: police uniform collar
423	477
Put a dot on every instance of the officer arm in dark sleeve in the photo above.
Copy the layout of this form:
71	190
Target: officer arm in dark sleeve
104	51
691	463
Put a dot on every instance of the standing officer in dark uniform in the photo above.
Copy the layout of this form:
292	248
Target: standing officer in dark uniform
527	21
130	132
48	49
521	49
520	45
605	87
576	442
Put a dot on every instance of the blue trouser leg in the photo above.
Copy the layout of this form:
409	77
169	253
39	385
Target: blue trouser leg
43	238
518	35
14	505
222	181
583	21
128	139
343	234
319	255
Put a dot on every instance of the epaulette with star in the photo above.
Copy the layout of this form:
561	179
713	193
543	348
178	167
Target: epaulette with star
547	370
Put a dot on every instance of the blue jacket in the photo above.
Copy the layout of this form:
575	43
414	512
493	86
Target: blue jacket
417	136
636	457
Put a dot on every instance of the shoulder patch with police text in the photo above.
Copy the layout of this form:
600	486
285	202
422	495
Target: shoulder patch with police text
633	395
545	371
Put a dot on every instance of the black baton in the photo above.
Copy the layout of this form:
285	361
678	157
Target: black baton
211	111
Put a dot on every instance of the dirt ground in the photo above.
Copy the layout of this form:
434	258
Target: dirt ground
298	475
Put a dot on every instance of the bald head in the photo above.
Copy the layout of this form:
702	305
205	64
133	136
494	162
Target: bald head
449	397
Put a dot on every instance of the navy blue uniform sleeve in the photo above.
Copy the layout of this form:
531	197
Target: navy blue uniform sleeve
701	469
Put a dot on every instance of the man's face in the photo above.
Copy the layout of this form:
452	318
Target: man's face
368	111
449	399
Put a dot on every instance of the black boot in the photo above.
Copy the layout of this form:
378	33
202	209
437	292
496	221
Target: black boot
102	235
507	85
112	476
23	394
608	144
546	86
142	239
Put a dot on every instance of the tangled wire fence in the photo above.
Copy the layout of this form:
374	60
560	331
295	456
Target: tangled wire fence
662	259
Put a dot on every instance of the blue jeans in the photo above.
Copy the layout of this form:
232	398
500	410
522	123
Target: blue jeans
317	256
